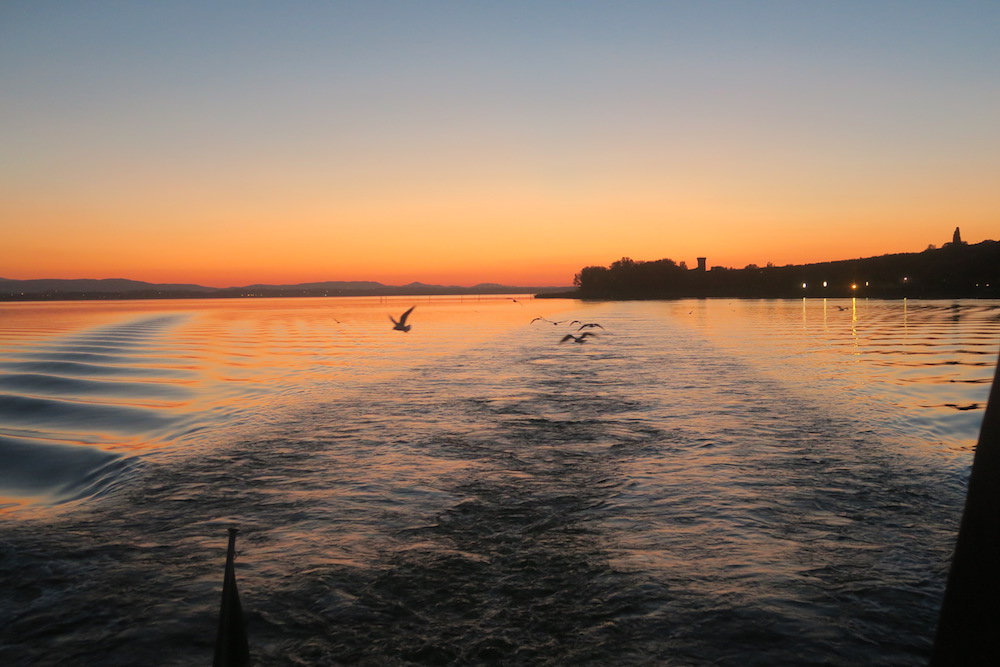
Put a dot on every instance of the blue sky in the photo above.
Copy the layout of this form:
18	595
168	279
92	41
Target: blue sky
653	128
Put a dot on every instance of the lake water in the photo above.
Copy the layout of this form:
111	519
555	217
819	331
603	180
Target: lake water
703	482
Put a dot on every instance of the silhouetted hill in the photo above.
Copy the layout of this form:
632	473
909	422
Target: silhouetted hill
44	285
350	285
957	270
118	288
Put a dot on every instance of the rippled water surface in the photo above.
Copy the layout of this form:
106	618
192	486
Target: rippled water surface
703	482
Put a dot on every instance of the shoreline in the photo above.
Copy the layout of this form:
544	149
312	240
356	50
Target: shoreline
992	295
179	296
955	271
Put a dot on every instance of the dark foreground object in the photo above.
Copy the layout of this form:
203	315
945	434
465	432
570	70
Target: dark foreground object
969	627
231	646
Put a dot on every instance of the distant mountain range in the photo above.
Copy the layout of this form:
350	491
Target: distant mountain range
120	288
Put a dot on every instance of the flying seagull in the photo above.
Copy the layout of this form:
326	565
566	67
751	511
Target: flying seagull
582	338
401	325
589	325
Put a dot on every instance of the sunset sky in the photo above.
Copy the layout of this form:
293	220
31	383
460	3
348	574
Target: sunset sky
228	143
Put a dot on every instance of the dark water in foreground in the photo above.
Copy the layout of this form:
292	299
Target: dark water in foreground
703	483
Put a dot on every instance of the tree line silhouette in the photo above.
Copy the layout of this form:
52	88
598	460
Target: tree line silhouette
953	271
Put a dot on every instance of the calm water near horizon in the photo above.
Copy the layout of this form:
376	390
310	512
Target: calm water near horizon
703	482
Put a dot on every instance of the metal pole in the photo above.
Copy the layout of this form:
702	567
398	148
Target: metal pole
231	646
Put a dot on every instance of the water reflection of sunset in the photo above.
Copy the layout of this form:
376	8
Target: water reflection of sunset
140	377
763	457
137	377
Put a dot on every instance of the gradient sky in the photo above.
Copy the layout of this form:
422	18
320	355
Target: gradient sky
228	143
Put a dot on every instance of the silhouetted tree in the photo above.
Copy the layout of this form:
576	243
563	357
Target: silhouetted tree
966	270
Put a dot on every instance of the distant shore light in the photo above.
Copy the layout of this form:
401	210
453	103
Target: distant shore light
854	286
824	283
804	285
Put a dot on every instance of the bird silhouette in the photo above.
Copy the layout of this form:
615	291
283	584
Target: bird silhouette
589	325
582	338
401	325
555	324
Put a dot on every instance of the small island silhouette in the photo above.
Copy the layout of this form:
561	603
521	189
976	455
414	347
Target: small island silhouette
955	270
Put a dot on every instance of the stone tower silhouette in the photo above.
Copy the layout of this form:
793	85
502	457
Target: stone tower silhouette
957	237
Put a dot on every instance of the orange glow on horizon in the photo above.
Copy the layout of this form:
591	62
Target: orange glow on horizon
258	263
531	240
